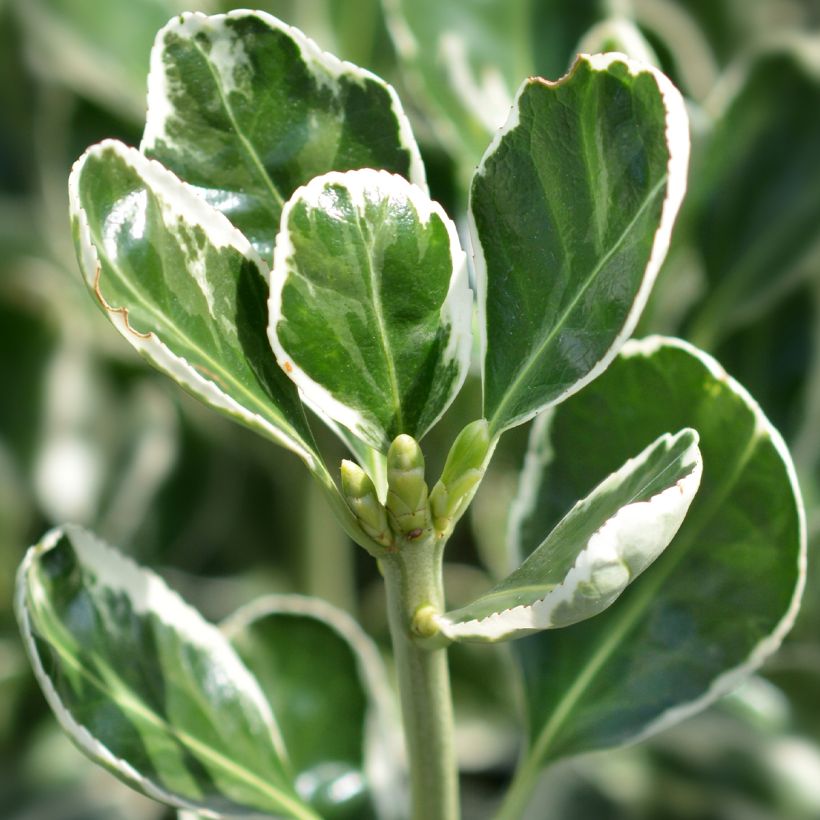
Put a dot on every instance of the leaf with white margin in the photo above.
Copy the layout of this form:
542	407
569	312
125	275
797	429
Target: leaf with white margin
571	212
326	682
370	311
145	687
600	547
184	287
247	109
719	600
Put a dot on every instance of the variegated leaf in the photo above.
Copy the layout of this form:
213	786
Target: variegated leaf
145	687
247	109
718	601
571	213
600	547
370	312
184	287
326	682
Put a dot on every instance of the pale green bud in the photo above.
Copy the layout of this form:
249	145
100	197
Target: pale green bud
360	494
406	487
463	469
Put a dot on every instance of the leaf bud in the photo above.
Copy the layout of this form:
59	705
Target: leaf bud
406	487
360	494
463	469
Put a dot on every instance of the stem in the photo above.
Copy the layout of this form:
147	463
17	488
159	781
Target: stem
413	579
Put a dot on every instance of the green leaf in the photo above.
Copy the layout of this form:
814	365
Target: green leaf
571	213
756	232
325	680
247	109
600	547
722	596
370	309
184	287
144	686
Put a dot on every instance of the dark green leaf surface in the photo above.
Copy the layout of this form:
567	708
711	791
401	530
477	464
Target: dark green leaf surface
184	287
326	683
147	688
572	209
723	594
370	313
600	547
247	109
758	194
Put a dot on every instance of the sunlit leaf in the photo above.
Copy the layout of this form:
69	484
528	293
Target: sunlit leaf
600	547
370	311
246	109
145	687
572	209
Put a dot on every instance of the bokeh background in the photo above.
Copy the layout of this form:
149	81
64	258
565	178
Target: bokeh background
89	434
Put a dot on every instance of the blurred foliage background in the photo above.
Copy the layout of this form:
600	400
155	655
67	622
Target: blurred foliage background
89	434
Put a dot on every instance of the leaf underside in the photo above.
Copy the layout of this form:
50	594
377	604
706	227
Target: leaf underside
600	547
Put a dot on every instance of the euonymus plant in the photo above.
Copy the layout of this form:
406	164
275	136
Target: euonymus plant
273	248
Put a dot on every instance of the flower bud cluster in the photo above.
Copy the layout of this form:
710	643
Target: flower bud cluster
409	510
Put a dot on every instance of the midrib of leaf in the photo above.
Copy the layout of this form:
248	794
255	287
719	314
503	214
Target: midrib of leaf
269	412
598	193
631	614
123	698
524	372
387	351
249	149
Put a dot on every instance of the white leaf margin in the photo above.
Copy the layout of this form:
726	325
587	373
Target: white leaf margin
180	198
652	524
189	24
732	678
456	310
384	757
678	145
148	593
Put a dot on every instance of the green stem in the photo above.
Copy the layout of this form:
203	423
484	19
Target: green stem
413	580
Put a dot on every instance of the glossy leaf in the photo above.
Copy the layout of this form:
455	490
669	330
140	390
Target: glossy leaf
247	109
370	312
756	231
600	547
325	680
184	287
722	596
145	687
572	209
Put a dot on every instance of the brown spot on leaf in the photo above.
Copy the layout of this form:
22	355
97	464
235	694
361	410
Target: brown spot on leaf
123	311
